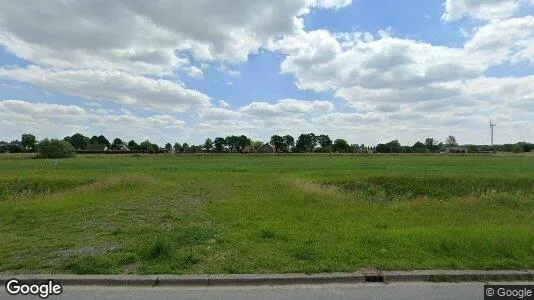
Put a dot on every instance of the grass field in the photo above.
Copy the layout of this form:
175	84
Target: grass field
264	214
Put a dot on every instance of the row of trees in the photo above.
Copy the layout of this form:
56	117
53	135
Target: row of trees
430	145
305	143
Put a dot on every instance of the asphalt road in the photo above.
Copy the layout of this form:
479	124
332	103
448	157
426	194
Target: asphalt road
406	290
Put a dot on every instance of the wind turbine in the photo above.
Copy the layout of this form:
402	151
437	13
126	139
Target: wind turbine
491	128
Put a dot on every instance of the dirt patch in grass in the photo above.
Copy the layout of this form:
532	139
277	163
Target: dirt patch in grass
88	250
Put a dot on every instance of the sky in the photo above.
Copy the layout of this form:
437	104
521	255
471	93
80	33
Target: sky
183	70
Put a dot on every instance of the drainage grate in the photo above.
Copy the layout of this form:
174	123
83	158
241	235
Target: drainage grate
374	278
372	275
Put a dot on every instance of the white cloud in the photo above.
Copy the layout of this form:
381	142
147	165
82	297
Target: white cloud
341	120
234	73
194	72
502	40
286	107
218	114
505	95
392	87
319	63
58	121
143	37
120	87
480	9
403	83
224	104
330	3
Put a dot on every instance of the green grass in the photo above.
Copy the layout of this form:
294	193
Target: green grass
265	214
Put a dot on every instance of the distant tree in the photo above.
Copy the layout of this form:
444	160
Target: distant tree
279	143
68	139
3	147
431	145
94	139
117	143
395	146
219	143
156	148
289	142
103	141
12	148
232	142
325	144
406	149
419	147
132	145
147	146
80	141
322	150
178	148
243	142
517	148
194	149
306	143
391	147
341	146
168	147
208	145
256	146
472	149
527	147
55	149
324	141
29	142
451	141
185	147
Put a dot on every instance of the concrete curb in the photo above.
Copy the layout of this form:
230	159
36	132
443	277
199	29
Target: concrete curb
277	279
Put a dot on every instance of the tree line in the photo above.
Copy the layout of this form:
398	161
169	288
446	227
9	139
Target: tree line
305	143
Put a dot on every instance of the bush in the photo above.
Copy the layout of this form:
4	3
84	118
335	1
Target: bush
472	149
10	149
55	149
517	148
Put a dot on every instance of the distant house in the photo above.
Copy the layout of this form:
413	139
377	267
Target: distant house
268	148
122	147
96	147
170	150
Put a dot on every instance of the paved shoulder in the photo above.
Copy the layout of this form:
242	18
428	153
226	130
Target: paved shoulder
399	290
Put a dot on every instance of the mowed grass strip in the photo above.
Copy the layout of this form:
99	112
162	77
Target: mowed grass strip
265	214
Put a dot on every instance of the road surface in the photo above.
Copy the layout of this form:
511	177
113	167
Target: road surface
405	290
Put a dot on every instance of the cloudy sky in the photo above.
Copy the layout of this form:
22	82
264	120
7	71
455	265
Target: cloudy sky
184	70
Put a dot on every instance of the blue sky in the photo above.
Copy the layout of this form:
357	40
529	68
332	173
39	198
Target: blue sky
366	71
